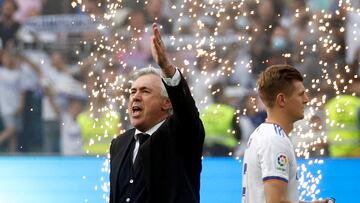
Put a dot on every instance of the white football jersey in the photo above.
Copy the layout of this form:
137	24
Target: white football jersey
269	155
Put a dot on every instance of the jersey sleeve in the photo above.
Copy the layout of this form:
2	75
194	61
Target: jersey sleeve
274	157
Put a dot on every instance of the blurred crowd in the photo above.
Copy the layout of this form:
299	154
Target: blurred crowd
63	85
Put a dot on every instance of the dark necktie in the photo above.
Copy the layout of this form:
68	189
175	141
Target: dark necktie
142	138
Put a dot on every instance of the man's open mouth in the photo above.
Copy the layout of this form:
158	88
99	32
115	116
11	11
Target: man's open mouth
136	110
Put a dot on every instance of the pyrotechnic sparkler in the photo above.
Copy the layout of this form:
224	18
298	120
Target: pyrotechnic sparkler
210	36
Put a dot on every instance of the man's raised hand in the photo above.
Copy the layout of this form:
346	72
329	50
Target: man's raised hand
159	53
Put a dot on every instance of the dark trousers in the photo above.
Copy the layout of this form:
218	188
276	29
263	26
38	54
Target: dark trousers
30	137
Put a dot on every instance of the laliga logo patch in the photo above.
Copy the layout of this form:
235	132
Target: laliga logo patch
281	162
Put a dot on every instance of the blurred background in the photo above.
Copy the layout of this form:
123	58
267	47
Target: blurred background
64	68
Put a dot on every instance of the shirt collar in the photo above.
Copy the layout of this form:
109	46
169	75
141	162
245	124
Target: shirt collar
150	131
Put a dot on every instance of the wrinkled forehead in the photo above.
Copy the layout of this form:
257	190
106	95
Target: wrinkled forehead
149	80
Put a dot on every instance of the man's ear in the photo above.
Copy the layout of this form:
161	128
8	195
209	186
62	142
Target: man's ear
281	99
166	104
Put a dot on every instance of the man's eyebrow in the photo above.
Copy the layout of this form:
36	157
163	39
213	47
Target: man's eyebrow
302	91
141	88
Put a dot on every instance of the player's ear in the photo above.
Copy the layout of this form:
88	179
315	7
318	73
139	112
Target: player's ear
281	99
166	105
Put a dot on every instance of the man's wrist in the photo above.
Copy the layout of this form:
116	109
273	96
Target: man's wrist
168	70
174	80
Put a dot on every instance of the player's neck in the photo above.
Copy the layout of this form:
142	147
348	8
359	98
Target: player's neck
282	121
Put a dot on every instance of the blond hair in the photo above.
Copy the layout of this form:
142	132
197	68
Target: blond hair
276	79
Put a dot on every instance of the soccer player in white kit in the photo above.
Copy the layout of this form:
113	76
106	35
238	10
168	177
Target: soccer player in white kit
269	168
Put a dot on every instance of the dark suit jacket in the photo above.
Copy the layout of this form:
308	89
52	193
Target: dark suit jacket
171	156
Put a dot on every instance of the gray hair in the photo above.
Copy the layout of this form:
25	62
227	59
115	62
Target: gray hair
150	71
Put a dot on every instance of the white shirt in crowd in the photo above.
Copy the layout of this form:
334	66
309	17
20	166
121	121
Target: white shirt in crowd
70	140
269	155
11	90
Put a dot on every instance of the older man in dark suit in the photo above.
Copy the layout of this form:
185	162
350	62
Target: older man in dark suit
159	160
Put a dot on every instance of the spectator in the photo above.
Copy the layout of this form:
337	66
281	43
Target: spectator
318	146
154	13
262	25
8	25
254	109
11	100
248	122
206	73
139	53
70	131
60	84
222	135
280	45
93	7
115	86
99	124
27	9
31	139
309	136
343	126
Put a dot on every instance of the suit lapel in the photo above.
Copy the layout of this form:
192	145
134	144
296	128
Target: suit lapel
119	157
145	158
145	151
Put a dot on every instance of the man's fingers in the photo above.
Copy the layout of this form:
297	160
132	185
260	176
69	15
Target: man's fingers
156	45
154	25
154	40
157	33
153	46
156	30
159	55
158	51
159	48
